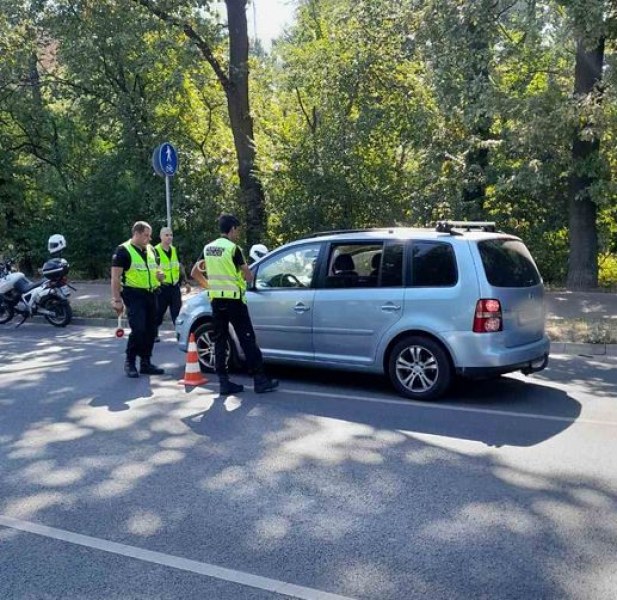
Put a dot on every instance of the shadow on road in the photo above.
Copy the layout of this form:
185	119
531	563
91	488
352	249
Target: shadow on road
343	495
503	410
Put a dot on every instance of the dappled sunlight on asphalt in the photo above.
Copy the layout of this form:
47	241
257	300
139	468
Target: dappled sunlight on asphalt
360	498
45	473
462	528
144	523
522	480
34	442
326	441
30	506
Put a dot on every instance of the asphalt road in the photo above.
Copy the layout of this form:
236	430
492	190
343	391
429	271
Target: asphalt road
332	487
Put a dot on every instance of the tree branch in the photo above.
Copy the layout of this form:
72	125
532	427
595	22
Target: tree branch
81	88
190	33
311	123
502	12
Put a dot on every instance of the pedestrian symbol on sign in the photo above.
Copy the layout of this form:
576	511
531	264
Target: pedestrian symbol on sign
166	159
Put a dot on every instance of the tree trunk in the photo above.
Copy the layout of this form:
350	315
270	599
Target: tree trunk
583	235
238	105
478	91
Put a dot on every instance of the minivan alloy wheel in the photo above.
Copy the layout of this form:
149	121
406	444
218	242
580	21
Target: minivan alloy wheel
419	368
204	339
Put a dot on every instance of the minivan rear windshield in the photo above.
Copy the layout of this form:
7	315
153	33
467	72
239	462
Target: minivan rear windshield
507	263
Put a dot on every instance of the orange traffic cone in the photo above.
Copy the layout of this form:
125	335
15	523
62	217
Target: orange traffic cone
192	372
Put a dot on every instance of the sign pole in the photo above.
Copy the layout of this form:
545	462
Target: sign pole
168	199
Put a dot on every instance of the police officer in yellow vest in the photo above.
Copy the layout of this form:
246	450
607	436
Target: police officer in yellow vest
170	296
135	281
227	275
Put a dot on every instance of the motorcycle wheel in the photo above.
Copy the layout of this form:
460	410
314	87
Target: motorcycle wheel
6	312
62	312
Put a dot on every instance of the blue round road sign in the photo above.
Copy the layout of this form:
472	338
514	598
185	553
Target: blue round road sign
165	160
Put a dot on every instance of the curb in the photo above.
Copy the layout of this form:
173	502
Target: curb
584	349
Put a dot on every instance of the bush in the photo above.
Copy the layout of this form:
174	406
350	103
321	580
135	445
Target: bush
607	277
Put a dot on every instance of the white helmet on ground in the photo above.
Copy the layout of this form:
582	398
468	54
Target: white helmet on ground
56	243
258	251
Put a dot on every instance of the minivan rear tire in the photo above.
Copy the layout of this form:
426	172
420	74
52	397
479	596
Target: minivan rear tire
419	368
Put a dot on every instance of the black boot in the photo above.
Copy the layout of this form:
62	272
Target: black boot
147	368
130	369
264	384
227	387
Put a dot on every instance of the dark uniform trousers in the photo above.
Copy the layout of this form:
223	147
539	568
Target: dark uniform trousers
170	297
141	308
224	312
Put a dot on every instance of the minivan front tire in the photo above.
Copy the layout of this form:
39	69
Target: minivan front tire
204	339
419	368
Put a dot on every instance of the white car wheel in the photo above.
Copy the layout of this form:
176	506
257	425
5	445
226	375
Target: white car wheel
419	368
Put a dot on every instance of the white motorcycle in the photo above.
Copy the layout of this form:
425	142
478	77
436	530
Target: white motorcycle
48	297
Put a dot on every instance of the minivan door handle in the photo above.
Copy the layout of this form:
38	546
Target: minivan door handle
390	307
301	308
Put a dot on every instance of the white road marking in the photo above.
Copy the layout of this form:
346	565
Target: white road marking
452	407
176	562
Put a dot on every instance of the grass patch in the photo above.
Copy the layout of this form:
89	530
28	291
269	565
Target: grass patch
582	331
93	309
98	309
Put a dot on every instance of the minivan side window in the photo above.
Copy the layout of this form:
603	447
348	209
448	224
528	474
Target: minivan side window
291	269
354	265
433	264
368	265
507	263
392	266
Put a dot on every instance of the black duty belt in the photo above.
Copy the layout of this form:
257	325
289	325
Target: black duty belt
128	288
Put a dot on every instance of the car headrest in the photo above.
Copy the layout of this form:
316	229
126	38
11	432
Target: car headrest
343	262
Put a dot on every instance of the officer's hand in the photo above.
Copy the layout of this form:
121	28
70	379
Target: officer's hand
160	276
118	306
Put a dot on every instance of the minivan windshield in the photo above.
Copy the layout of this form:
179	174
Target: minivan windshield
507	263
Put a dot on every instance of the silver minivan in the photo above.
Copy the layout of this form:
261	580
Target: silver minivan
417	305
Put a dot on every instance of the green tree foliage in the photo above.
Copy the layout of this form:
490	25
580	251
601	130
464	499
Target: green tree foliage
366	113
352	123
478	121
111	85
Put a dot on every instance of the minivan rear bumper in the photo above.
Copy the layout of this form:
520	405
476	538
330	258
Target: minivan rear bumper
481	355
532	366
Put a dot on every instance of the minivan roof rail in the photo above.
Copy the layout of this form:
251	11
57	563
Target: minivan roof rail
458	227
340	231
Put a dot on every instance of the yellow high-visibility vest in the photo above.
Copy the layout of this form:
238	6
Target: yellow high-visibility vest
225	280
170	266
141	274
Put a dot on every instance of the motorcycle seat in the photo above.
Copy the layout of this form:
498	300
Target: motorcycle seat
25	285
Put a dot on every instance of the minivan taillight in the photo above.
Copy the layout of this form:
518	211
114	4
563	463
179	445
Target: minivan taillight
488	316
